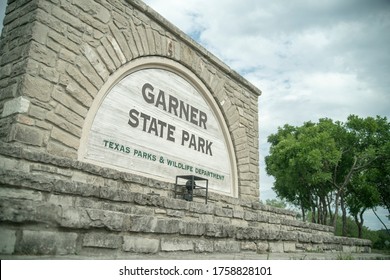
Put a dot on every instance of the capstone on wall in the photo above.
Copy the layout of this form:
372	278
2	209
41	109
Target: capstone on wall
56	55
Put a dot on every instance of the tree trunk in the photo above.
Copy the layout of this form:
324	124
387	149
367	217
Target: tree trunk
334	224
323	210
319	211
344	215
360	222
303	213
329	210
360	227
388	231
313	214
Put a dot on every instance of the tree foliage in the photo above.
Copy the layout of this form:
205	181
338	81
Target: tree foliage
277	203
326	166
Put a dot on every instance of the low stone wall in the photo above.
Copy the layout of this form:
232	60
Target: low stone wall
57	206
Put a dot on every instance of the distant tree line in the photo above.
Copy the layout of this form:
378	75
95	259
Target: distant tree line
330	167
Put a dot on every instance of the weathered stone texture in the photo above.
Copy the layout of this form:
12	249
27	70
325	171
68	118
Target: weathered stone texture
7	241
73	216
173	244
46	243
102	240
141	245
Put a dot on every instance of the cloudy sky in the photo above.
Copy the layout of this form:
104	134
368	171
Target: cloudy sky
311	59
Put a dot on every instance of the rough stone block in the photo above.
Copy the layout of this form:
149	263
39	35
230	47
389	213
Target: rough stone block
37	88
349	249
289	247
273	234
38	113
238	212
176	244
81	80
250	233
227	246
176	204
99	12
46	243
221	220
106	58
206	218
175	213
69	115
262	218
65	138
78	93
20	210
16	105
223	212
43	54
74	218
20	194
249	246
141	245
7	241
289	235
102	240
107	219
201	208
95	61
124	52
204	246
137	223
57	149
304	237
250	216
168	226
262	247
68	101
192	228
89	72
274	220
276	247
316	238
239	223
28	135
220	230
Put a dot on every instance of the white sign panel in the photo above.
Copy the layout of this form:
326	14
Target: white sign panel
156	124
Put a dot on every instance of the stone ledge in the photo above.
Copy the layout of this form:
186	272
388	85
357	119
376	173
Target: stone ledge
72	218
70	165
45	241
246	255
45	184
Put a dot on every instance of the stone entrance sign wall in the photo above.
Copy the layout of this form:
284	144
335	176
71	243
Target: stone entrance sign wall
102	104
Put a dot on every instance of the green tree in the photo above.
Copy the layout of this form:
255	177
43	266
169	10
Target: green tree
331	165
278	203
371	186
369	140
362	195
301	161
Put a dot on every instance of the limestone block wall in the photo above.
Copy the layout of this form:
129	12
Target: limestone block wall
52	205
56	55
